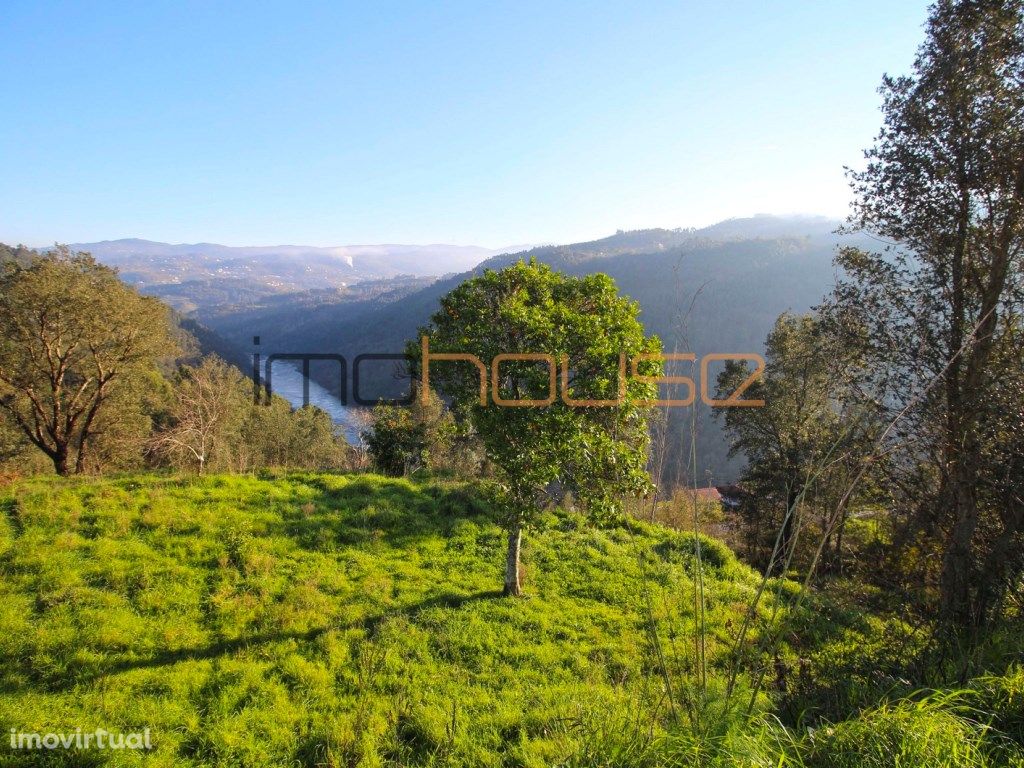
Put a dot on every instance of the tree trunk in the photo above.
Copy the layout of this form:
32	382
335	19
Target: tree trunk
957	598
86	433
80	461
515	538
959	601
60	462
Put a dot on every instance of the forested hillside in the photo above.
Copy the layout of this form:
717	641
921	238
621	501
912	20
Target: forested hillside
717	289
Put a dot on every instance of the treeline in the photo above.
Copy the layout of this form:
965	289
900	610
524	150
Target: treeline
95	377
900	400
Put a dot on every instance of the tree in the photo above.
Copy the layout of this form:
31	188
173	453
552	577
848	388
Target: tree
127	421
18	254
1001	487
944	183
212	424
540	441
275	435
73	341
404	439
210	402
799	443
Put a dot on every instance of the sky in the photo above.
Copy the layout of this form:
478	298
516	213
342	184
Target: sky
487	123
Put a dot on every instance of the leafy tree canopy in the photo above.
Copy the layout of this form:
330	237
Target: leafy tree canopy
596	452
73	340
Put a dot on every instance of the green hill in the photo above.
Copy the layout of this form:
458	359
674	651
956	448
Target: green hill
326	620
316	619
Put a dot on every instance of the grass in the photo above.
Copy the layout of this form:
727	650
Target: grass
337	620
305	619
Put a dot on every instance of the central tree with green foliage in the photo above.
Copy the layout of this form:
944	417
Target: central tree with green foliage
566	419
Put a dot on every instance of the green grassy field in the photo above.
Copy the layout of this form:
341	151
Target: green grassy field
355	620
317	619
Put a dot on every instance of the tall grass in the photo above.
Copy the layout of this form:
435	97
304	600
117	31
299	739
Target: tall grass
304	619
937	729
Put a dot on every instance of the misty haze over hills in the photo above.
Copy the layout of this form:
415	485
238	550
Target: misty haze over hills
718	289
715	289
201	276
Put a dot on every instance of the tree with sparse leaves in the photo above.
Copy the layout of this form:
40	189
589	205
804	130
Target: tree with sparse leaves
210	403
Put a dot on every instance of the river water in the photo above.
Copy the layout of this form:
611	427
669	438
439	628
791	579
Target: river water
287	382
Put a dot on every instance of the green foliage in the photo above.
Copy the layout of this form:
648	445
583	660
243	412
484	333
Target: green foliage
935	314
804	446
212	423
403	439
18	254
276	435
937	731
584	328
597	453
1001	698
76	346
12	441
348	620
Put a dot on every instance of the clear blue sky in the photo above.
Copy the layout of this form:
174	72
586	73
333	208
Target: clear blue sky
420	122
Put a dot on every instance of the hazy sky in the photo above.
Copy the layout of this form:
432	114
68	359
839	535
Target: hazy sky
477	122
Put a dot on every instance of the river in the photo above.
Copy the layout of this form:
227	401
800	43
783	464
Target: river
287	382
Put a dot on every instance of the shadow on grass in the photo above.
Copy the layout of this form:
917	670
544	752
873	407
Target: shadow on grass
364	511
11	510
226	647
71	758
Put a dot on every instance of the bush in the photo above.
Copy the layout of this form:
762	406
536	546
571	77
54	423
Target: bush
421	436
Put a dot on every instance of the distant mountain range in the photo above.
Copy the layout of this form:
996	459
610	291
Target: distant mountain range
201	276
716	289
